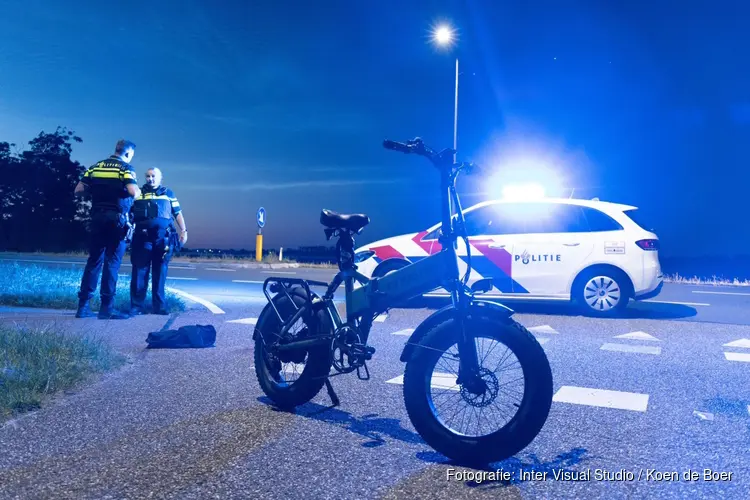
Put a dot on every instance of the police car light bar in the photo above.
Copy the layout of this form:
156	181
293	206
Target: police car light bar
523	192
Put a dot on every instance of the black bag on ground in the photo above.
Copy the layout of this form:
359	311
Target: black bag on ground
185	336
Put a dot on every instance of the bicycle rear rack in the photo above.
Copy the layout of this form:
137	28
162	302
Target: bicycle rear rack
284	285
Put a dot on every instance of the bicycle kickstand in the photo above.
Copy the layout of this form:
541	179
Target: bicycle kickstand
332	393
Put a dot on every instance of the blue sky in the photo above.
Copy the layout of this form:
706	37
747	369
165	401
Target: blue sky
285	105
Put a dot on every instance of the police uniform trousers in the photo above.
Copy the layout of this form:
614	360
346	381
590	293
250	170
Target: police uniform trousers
106	249
147	253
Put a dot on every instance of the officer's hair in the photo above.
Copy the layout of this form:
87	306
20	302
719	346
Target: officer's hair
123	145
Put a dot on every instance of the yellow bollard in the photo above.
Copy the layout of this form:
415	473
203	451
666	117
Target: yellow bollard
259	247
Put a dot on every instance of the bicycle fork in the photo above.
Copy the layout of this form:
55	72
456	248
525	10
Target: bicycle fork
468	359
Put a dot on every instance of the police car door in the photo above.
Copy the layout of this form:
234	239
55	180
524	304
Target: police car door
554	246
491	235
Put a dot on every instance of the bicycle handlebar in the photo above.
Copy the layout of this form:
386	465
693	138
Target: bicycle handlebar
442	159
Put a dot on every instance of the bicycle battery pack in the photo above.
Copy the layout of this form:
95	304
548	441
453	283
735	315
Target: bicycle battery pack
408	282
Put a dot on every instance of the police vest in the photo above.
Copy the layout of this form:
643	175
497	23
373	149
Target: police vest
152	205
107	182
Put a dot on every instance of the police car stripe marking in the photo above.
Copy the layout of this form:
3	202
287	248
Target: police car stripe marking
387	252
601	398
431	246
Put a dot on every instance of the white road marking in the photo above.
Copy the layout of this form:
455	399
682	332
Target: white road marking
181	278
244	321
720	293
246	281
381	318
406	332
602	398
637	336
739	343
703	415
439	381
220	269
181	267
542	340
278	272
676	303
210	306
642	349
737	356
748	409
542	329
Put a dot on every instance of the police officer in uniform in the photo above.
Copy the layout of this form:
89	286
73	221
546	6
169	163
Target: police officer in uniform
153	242
112	185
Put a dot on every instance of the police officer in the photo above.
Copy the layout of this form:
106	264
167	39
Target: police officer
112	185
153	240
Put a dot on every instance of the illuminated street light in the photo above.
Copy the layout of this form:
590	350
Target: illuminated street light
443	35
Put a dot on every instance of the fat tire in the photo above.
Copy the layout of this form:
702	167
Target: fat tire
317	365
516	434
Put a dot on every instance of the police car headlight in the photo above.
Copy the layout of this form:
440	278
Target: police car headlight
363	256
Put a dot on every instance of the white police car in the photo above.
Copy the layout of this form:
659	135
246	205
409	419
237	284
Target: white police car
596	254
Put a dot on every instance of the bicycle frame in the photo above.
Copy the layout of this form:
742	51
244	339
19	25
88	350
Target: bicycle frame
376	295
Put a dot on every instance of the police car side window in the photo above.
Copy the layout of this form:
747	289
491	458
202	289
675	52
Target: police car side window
566	219
599	221
496	219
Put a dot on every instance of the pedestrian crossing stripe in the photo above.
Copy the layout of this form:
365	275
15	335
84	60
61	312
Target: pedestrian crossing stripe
637	336
641	349
602	398
439	380
244	321
744	343
542	329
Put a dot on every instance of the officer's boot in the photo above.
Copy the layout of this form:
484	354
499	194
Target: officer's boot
84	311
107	311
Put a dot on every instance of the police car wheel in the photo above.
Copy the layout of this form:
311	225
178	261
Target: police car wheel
604	293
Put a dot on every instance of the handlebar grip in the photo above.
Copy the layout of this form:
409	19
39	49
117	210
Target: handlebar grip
396	146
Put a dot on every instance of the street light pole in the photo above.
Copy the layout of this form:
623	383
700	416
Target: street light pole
455	117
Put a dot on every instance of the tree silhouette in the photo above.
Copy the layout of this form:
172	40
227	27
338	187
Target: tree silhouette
38	211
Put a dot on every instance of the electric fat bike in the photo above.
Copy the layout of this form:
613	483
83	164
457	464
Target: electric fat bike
304	331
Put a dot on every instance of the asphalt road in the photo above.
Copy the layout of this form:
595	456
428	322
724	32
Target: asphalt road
671	396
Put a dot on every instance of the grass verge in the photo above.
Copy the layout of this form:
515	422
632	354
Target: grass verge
37	362
31	285
696	280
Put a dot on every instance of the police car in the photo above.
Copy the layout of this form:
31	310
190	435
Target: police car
595	254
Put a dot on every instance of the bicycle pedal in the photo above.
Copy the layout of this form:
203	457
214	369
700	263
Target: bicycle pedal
367	372
369	351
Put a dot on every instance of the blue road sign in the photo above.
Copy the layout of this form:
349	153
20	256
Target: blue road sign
261	216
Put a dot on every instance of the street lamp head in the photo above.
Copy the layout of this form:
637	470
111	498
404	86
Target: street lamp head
443	35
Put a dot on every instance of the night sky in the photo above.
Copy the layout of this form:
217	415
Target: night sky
286	104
